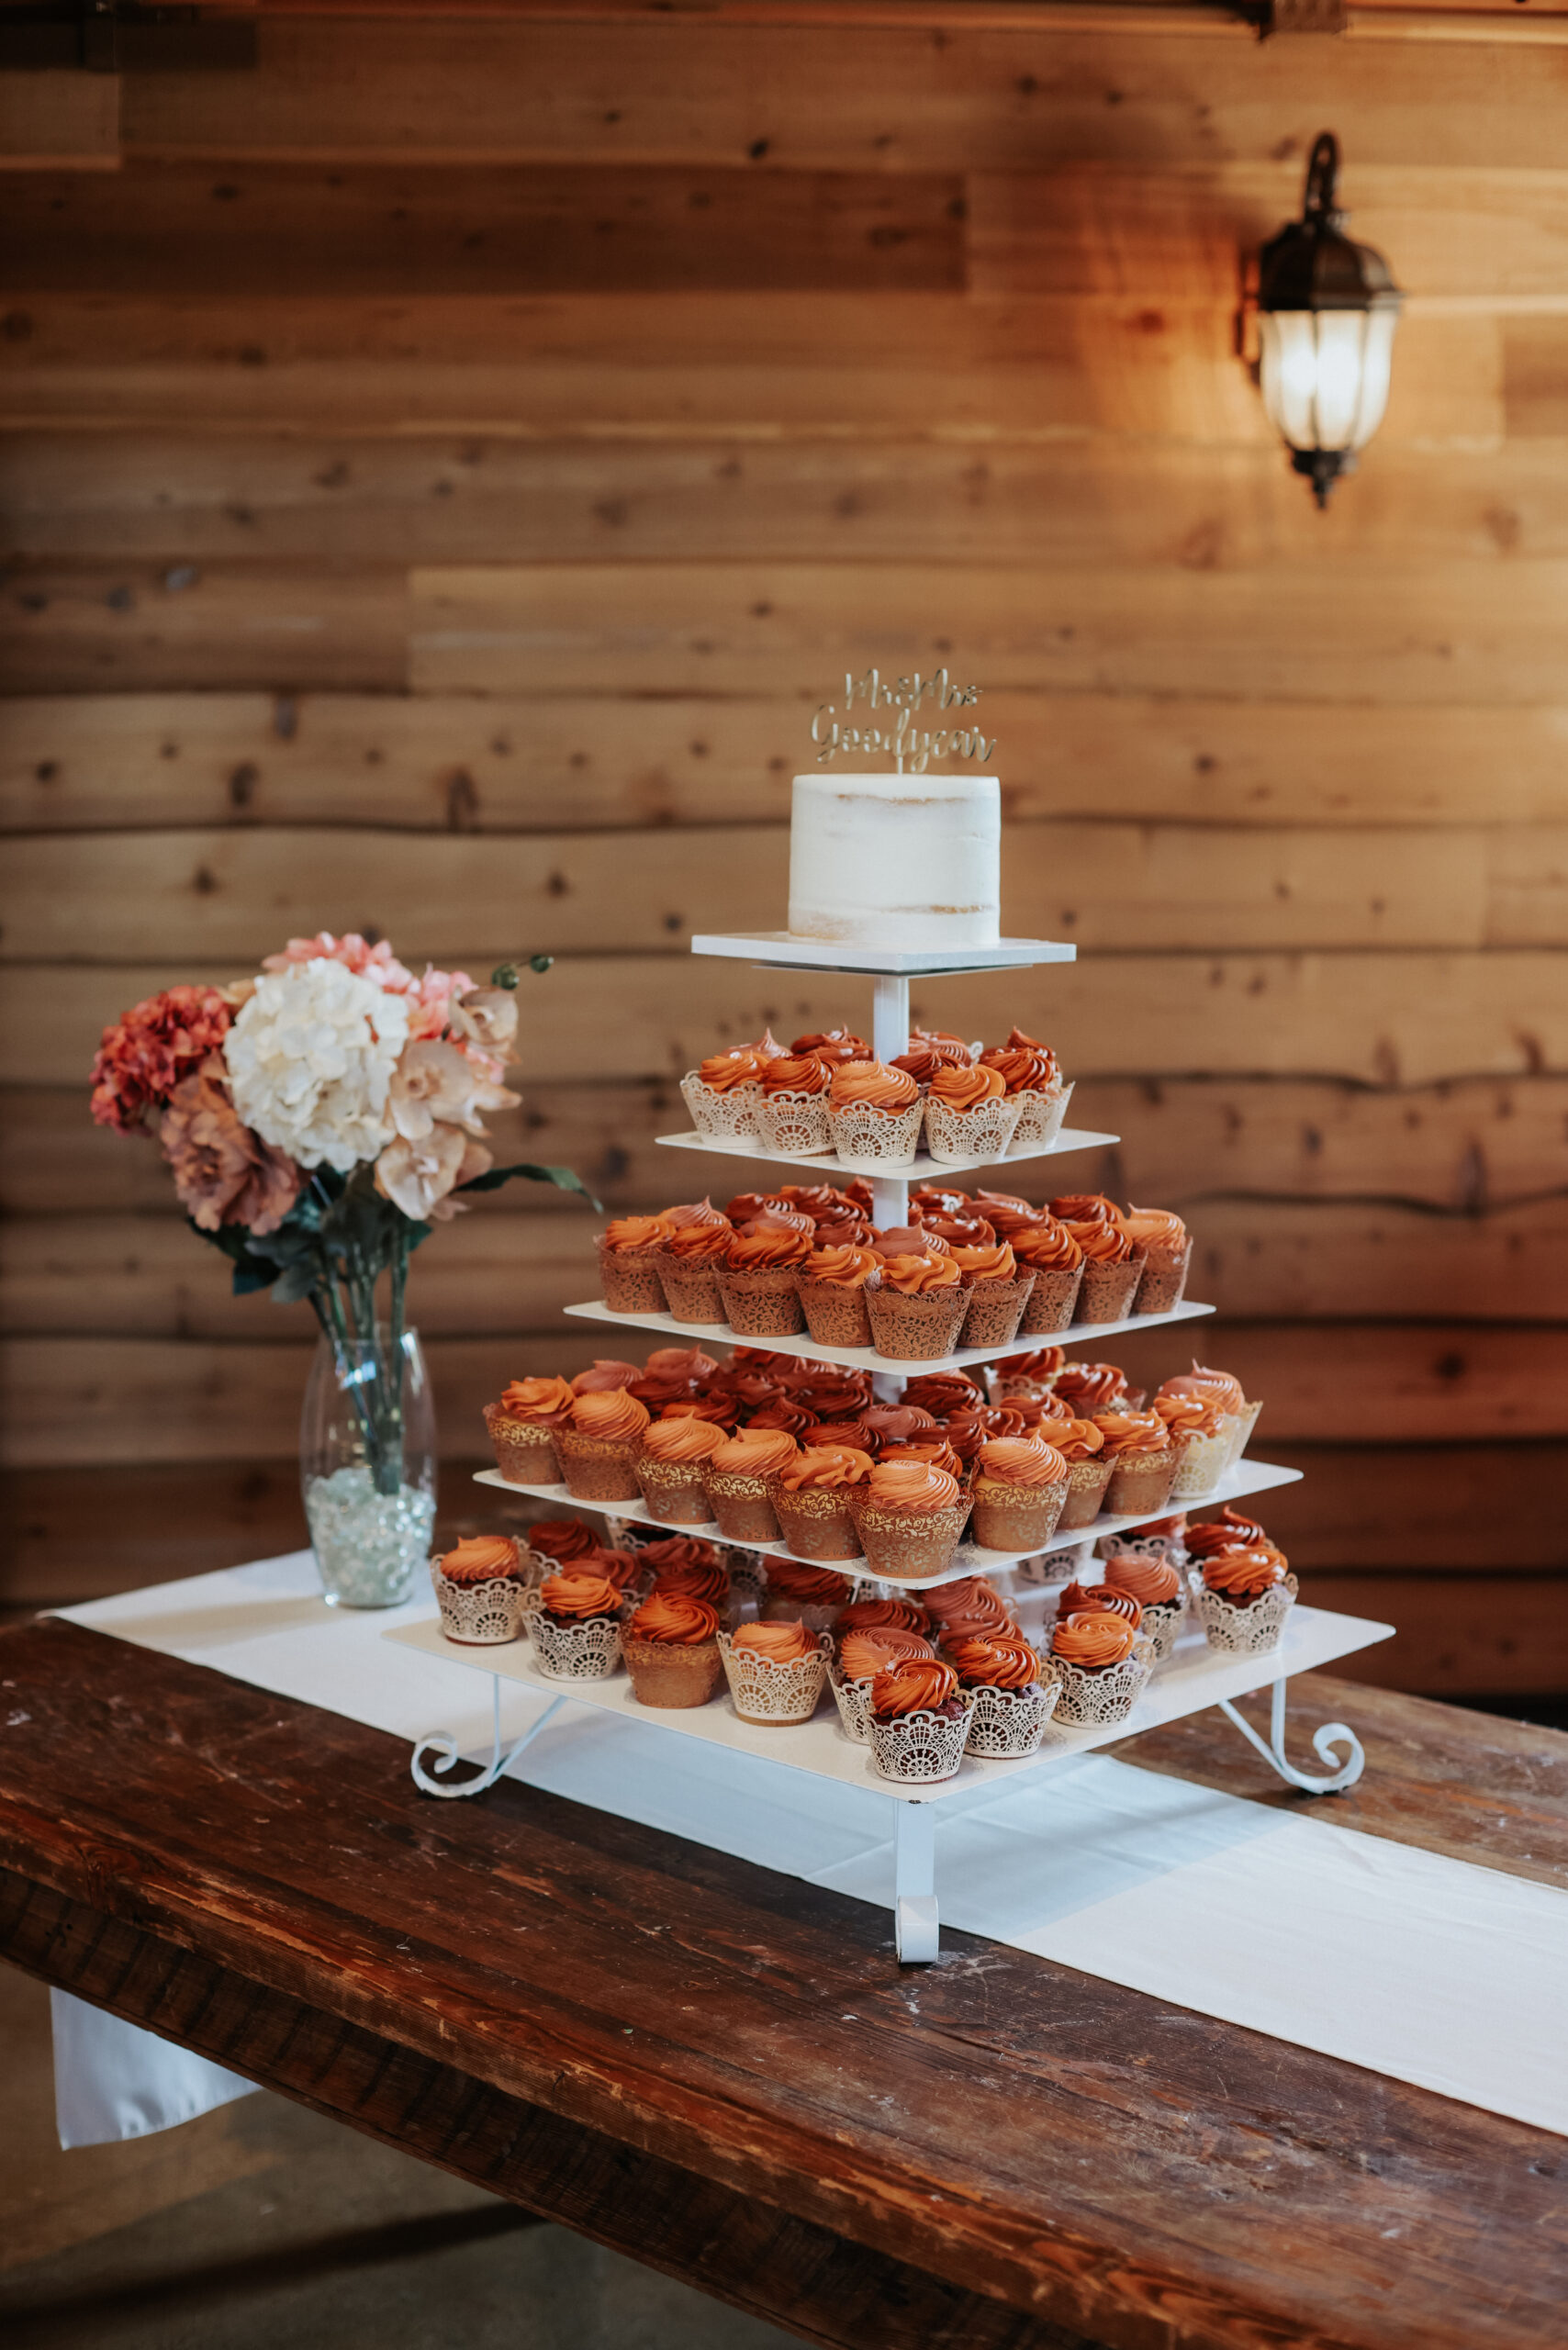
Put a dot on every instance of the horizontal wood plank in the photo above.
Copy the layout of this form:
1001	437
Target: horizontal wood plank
153	1400
53	120
117	896
485	90
739	367
149	1276
1332	632
1454	1637
1407	1019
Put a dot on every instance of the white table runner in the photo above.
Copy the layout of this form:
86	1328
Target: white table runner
1434	1971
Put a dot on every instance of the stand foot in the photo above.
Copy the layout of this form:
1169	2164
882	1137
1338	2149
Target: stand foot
442	1747
916	1924
1335	1743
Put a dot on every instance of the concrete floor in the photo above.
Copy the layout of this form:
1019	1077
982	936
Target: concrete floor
264	2227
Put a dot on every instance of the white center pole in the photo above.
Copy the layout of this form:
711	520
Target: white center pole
889	1193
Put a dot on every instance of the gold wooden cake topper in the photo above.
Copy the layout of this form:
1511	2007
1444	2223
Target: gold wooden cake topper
910	746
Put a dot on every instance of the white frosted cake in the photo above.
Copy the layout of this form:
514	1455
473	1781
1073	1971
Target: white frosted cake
910	861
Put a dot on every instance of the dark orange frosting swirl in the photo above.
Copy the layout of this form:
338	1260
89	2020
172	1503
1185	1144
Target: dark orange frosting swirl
1229	1531
1080	1598
699	1244
1026	1065
1021	1460
682	1440
1102	1244
911	1685
997	1263
833	1044
997	1659
767	1249
635	1236
1216	1387
844	1268
776	1643
576	1596
722	1072
1125	1432
1036	1368
874	1085
756	1452
675	1618
797	1073
1007	1213
824	1468
878	1615
1088	1388
537	1403
561	1538
481	1558
1242	1575
603	1376
1187	1415
1088	1207
966	1086
807	1585
1153	1582
1156	1229
943	1392
614	1416
1048	1247
862	1655
676	1554
1092	1640
913	1488
918	1276
967	1603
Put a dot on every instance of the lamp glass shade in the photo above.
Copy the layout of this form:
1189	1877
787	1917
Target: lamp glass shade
1325	374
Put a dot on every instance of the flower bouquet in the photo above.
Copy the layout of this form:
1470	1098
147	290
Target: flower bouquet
318	1119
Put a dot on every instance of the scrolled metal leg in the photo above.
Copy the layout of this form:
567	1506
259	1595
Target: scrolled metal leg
916	1925
442	1747
1335	1743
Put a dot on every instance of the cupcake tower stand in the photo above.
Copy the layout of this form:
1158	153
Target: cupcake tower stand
1196	1677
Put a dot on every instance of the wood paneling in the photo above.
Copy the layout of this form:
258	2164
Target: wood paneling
50	120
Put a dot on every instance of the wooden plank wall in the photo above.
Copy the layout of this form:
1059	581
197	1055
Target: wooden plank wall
444	465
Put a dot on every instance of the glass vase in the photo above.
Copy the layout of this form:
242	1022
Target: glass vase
367	1466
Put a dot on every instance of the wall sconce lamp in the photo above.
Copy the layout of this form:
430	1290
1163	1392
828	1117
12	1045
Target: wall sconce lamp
1327	311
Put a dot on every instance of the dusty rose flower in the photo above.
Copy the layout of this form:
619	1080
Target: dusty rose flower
149	1048
367	962
416	1174
487	1017
223	1172
435	1084
430	999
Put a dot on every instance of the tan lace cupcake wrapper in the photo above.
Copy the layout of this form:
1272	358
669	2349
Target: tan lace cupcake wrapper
917	1329
1016	1517
1107	1292
995	1311
1086	1484
762	1304
524	1455
835	1316
691	1291
1164	1279
742	1504
1052	1302
909	1549
816	1523
675	1491
597	1471
629	1283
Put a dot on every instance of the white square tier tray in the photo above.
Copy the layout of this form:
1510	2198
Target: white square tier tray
921	1168
781	950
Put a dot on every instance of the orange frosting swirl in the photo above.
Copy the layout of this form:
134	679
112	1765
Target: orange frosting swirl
797	1073
844	1268
698	1244
538	1403
909	1240
613	1416
1021	1460
878	1615
1241	1576
833	1045
1088	1207
561	1538
1081	1598
1024	1066
807	1585
939	1452
1037	1367
945	1391
604	1375
966	1086
874	1084
1187	1415
1229	1531
915	1488
1125	1432
635	1235
756	1452
997	1264
1153	1582
681	1439
690	1212
676	1617
862	1655
911	1685
916	1276
777	1643
576	1596
1048	1247
673	1552
942	1042
1085	1441
1092	1642
1091	1386
722	1072
824	1467
481	1558
769	1248
968	1605
997	1659
1007	1213
1216	1387
922	1064
1102	1244
1156	1229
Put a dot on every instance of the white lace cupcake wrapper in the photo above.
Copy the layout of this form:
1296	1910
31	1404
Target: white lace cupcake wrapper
1251	1630
876	1139
576	1652
481	1615
1040	1117
983	1132
794	1122
1007	1723
920	1747
1100	1700
767	1691
727	1119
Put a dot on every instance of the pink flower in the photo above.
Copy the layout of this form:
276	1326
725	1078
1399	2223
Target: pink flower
150	1049
430	999
223	1172
377	962
417	1175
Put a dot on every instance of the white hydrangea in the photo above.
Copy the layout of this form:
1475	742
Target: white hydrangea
310	1058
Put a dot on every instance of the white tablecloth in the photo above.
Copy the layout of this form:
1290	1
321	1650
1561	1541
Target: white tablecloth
1434	1971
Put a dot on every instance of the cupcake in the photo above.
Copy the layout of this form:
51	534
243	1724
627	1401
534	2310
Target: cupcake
874	1114
1231	1530
1085	1388
1201	1441
480	1588
1157	1540
600	1445
722	1094
1031	1374
1001	1672
1033	1080
1168	1249
967	1604
1019	1491
690	1264
1243	1596
831	1285
1049	1251
680	1563
834	1046
1101	1663
671	1647
1082	1444
1113	1267
559	1542
970	1115
775	1670
811	1500
577	1627
918	1721
757	1280
1156	1587
945	1391
1221	1389
1083	1598
815	1595
624	1569
629	1252
1143	1462
910	1516
792	1109
523	1429
669	1469
604	1375
739	1473
917	1306
998	1288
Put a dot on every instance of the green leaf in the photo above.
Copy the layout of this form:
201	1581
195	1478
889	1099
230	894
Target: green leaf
562	1177
296	1282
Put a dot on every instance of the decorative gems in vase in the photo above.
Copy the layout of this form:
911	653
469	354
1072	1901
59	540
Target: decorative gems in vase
318	1119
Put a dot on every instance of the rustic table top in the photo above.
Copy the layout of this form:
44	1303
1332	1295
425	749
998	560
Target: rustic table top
723	2072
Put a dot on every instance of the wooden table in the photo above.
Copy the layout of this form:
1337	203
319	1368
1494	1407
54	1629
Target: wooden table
722	2071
